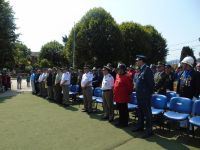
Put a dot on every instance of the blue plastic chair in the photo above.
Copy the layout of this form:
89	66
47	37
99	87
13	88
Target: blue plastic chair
180	109
97	96
159	103
170	94
195	120
74	89
132	105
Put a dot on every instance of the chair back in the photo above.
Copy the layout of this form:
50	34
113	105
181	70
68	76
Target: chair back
181	104
74	88
196	107
98	92
170	94
133	98
159	101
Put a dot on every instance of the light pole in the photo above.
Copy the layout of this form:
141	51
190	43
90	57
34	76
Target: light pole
74	42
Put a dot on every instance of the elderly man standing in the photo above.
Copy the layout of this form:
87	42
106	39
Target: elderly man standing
58	88
144	91
49	85
107	87
33	81
188	84
86	84
65	83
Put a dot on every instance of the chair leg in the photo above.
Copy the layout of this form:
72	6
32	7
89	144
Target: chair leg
96	106
193	134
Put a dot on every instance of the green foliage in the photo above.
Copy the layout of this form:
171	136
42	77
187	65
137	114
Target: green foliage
7	35
98	39
54	53
187	51
65	39
144	40
44	63
22	55
28	68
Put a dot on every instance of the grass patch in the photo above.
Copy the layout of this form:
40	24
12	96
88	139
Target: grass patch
28	122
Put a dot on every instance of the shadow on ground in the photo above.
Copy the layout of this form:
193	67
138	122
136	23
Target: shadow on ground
174	139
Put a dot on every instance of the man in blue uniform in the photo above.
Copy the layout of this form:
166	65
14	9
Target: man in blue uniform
144	90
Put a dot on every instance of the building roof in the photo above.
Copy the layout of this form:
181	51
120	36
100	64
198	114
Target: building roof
36	54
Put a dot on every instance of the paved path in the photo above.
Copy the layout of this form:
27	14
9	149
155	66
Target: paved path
14	91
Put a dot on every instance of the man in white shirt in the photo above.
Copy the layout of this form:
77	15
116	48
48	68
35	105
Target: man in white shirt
44	87
40	83
107	88
86	84
65	83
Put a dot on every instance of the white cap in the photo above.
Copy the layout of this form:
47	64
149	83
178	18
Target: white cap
188	60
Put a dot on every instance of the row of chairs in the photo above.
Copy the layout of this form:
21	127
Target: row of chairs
171	107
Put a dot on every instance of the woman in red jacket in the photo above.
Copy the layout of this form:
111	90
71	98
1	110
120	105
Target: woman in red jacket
123	88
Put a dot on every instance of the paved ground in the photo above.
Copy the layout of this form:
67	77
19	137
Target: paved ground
14	91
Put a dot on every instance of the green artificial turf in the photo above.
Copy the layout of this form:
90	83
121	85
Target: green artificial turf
28	122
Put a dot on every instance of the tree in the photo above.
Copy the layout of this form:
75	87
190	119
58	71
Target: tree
144	40
7	35
98	39
22	55
65	39
54	53
44	63
187	51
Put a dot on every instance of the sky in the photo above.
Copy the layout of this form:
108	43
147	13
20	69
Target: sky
41	21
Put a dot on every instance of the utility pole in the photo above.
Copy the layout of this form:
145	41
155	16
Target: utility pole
74	42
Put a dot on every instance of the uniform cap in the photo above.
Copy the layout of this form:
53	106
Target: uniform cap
141	57
106	67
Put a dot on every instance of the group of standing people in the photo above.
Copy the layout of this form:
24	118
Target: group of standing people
52	84
117	86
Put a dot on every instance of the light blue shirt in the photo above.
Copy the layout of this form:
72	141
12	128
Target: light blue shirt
33	77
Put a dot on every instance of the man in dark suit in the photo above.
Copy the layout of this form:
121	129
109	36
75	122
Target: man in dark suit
144	90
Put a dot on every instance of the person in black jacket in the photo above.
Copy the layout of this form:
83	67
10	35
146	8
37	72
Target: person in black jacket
170	78
49	84
188	84
37	89
144	91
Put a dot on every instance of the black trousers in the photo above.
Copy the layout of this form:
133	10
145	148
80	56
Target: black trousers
123	113
58	93
144	111
37	90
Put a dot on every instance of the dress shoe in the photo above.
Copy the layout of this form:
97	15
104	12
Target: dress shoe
136	129
84	110
110	119
104	117
147	135
118	125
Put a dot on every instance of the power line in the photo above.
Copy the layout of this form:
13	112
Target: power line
192	41
192	46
